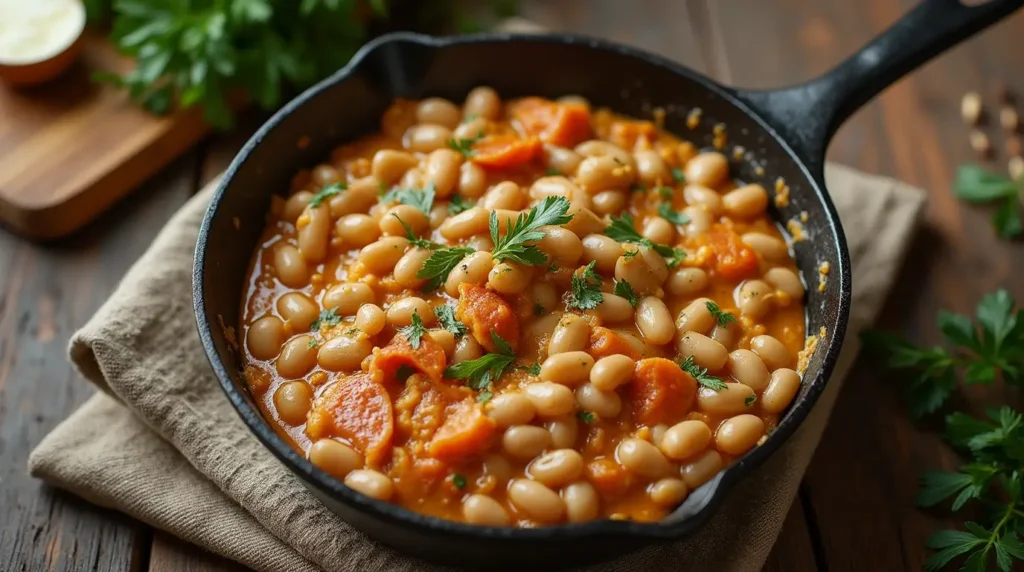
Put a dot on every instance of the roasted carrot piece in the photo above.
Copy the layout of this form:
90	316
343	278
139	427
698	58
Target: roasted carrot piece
625	134
467	431
733	258
605	342
505	151
428	359
608	477
661	392
358	409
486	312
559	124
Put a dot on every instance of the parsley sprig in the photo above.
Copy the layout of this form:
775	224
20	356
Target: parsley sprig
990	348
442	261
701	374
414	332
465	146
412	238
446	317
328	317
423	200
625	289
621	229
585	289
458	204
329	191
723	318
480	373
974	184
518	244
666	212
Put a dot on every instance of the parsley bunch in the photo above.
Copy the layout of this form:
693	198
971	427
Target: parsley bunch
976	185
982	351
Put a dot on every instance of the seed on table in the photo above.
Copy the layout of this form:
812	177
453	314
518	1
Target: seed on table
1016	168
970	108
1009	119
980	143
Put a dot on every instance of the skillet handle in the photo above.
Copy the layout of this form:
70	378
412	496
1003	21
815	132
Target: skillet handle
807	115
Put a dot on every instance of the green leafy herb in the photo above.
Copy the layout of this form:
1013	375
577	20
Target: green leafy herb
538	310
701	374
414	332
677	175
413	239
458	480
458	204
665	193
469	117
622	230
423	200
328	317
446	316
465	146
723	318
982	351
519	243
585	290
586	416
533	369
484	396
325	193
973	183
629	254
750	400
638	188
625	290
312	343
442	261
481	372
666	212
552	172
352	331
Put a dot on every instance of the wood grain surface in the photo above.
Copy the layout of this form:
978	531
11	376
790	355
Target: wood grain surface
855	508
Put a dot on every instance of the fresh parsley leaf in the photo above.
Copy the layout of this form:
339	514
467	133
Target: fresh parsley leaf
666	212
533	369
458	204
414	332
552	172
328	317
586	416
422	200
465	146
312	343
977	185
622	230
538	310
413	239
446	316
666	193
1006	220
442	261
625	290
481	372
701	375
518	244
459	481
677	175
723	318
585	289
629	254
750	400
468	118
484	396
325	193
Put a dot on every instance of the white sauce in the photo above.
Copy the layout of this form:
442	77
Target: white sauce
36	30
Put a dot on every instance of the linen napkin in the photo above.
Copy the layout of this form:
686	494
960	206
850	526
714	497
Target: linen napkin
161	443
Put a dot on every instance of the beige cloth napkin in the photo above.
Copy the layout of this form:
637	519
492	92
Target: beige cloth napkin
162	444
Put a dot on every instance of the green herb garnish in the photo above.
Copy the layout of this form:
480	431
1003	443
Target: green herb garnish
458	204
552	172
585	416
458	480
414	332
325	193
465	146
481	372
625	290
666	193
666	212
750	400
723	318
677	175
328	317
519	243
976	185
412	238
446	316
442	261
701	375
622	230
585	291
422	200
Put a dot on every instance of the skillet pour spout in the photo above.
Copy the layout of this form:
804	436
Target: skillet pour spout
784	132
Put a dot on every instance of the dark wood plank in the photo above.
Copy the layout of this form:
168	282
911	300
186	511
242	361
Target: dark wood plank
793	551
170	554
46	292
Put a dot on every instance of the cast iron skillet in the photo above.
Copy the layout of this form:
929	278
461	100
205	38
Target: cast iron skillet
785	134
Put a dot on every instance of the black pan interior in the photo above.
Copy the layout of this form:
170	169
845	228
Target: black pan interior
350	104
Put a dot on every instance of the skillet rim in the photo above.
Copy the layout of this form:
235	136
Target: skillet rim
393	514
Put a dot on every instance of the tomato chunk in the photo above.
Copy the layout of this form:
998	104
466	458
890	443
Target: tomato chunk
467	431
428	359
626	134
608	477
661	392
560	124
486	312
358	409
505	151
733	258
605	342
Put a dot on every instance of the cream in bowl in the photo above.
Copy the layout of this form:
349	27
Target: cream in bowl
39	39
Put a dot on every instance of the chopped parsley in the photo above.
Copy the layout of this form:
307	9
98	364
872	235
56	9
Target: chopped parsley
677	175
625	290
750	400
532	369
481	372
312	343
585	291
586	416
701	374
325	193
446	316
469	117
538	310
666	212
459	481
552	172
723	318
458	204
519	243
327	318
442	261
413	239
484	396
638	188
414	332
622	230
665	192
423	199
465	146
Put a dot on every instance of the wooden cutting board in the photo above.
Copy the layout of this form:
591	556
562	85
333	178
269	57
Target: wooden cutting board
70	148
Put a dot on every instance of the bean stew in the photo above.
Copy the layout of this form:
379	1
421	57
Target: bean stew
523	313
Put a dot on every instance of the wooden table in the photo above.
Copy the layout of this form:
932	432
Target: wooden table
855	507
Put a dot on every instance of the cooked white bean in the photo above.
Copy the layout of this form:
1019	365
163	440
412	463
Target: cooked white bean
658	433
668	492
497	466
357	230
409	265
685	439
438	215
703	196
650	167
605	250
370	319
709	168
536	500
442	171
609	202
470	128
347	298
294	206
557	468
265	337
701	219
481	242
561	246
438	111
567	368
400	313
746	202
324	174
297	310
465	224
659	230
771	350
484	511
483	102
747	368
426	138
314	231
783	387
604	404
582	502
391	222
584	222
733	399
381	257
596	174
635	343
472	270
508	278
787	281
737	435
549	399
687	281
705	351
769	247
654	321
467	349
564	431
504	195
525	441
370	483
290	266
443	338
544	298
696	317
612	371
389	165
754	298
472	180
702	469
510	408
358	198
642	458
598	148
614	309
297	357
292	401
645	271
565	161
335	458
571	334
343	353
555	185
